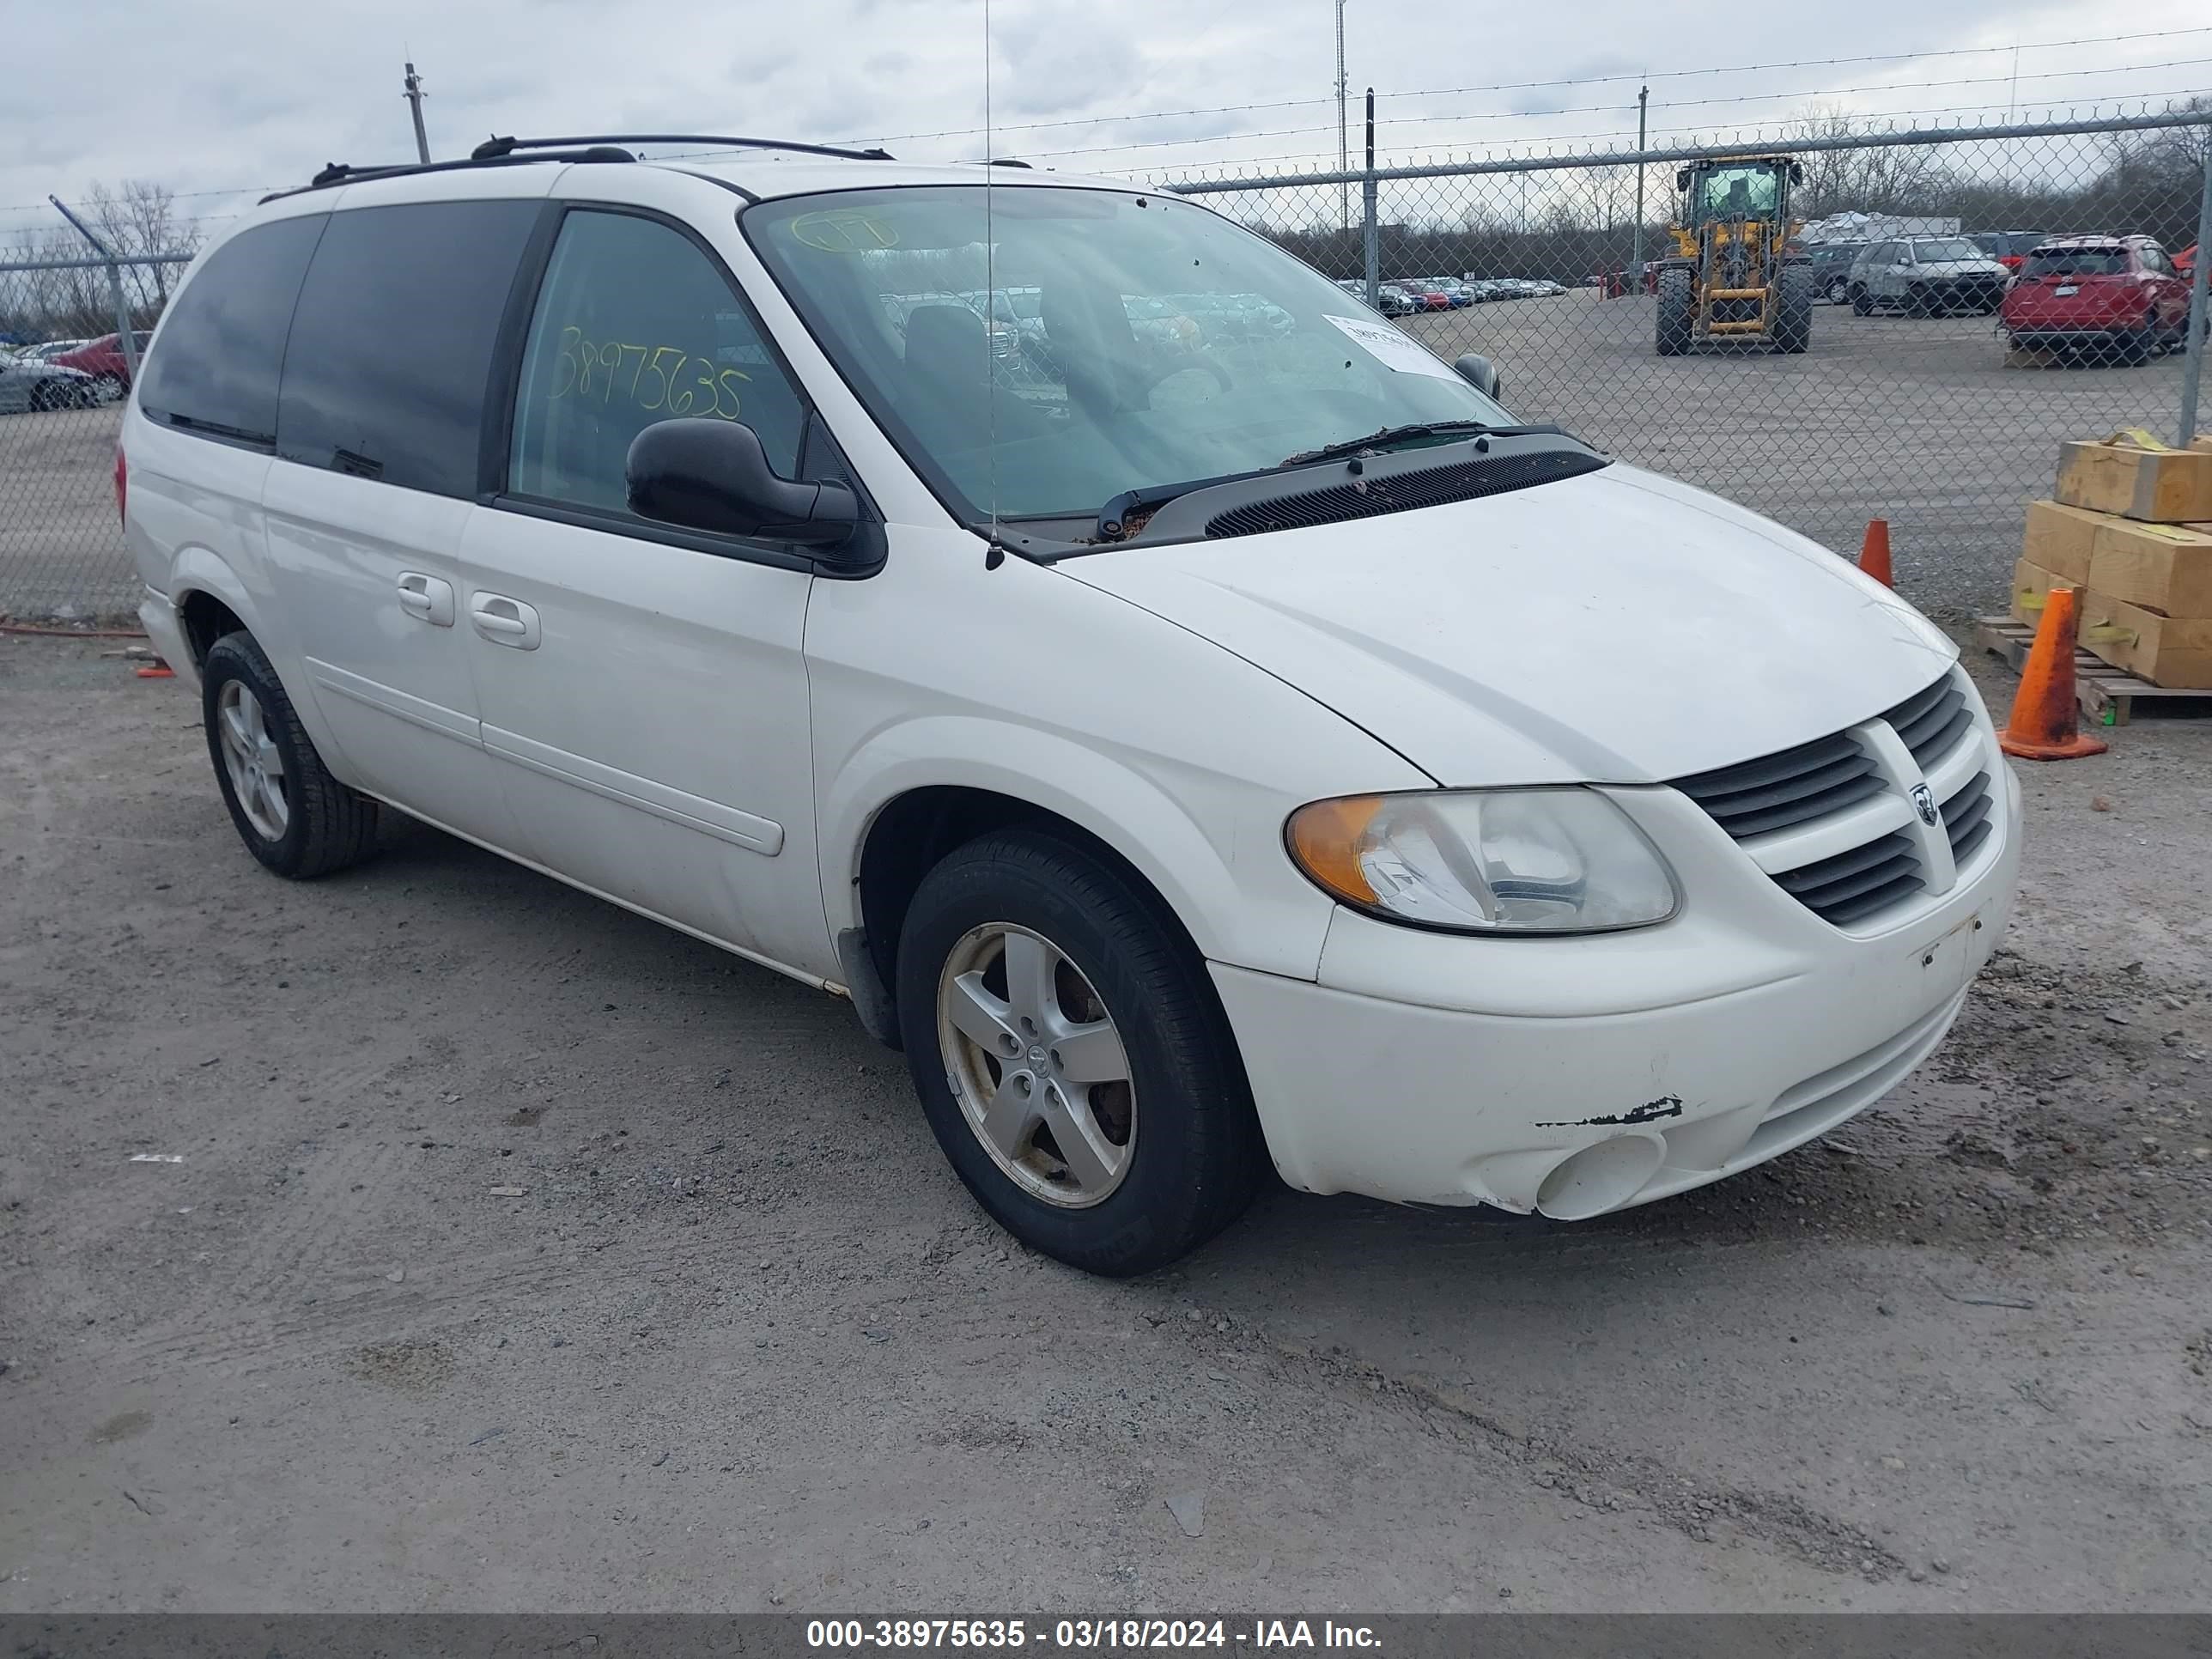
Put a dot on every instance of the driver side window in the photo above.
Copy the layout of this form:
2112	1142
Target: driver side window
635	323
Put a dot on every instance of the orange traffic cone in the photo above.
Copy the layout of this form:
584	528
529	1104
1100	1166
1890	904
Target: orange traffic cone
1874	552
2043	724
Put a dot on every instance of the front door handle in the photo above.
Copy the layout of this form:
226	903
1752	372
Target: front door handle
504	621
426	598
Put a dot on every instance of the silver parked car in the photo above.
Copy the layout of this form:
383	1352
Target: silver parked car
30	383
1926	276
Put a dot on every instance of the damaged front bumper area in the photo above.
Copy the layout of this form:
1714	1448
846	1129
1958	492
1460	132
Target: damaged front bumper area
1577	1076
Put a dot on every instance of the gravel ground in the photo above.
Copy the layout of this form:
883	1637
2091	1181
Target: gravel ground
512	1253
1924	420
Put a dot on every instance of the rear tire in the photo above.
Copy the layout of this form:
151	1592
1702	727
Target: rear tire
1839	292
1170	1150
46	396
290	813
1862	302
1677	302
1793	309
2139	346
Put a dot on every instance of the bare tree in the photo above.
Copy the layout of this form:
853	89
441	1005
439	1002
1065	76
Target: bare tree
138	220
1893	179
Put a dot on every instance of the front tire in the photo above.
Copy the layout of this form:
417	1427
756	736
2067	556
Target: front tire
1677	301
1071	1057
1793	309
290	813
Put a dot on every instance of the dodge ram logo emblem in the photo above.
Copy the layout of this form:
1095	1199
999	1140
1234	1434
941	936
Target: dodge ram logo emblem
1923	802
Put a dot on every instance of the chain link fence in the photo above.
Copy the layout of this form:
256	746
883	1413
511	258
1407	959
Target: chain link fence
1929	392
71	330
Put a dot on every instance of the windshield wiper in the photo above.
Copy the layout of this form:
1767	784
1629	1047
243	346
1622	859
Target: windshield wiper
1393	435
1128	511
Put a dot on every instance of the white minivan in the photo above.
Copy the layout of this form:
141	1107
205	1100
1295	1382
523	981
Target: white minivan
1199	749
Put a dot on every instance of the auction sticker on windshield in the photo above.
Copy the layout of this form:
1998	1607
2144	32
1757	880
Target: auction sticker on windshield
1394	349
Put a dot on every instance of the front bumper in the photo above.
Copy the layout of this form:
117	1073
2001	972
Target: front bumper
1582	1075
1966	294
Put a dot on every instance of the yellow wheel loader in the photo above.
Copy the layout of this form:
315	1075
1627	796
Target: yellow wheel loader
1732	278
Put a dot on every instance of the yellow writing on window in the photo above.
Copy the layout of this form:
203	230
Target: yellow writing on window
656	379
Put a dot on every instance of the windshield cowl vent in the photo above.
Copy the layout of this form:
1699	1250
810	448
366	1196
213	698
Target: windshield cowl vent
1372	496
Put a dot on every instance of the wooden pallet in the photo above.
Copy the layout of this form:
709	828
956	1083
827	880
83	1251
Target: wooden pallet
2107	694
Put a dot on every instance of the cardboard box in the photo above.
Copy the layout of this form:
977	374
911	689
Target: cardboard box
2030	582
2166	568
2059	537
2136	476
2164	650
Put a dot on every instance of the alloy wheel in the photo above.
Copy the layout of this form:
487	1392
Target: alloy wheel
1036	1065
251	756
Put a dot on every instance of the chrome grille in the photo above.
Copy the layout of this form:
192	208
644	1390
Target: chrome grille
1778	804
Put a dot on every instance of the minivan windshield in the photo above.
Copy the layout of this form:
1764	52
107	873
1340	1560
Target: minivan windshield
1040	353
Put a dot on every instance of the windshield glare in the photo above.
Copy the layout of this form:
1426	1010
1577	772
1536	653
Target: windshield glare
1139	341
1744	192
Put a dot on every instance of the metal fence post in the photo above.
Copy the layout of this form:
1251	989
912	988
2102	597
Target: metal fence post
125	340
2192	367
1369	239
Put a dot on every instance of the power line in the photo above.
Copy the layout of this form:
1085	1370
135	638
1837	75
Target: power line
2027	112
1596	109
1572	81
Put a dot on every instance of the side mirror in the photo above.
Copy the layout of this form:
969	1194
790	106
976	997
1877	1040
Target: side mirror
1479	372
1682	177
713	475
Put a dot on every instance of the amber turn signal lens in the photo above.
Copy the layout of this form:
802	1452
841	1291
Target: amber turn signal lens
1325	839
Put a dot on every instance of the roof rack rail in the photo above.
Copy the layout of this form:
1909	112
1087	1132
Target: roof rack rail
344	172
495	148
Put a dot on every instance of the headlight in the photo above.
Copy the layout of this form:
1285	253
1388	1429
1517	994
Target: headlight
1486	861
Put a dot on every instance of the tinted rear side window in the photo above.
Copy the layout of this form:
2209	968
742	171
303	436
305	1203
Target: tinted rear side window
392	342
223	342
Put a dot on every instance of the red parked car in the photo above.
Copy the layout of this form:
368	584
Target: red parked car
104	361
2118	295
1429	298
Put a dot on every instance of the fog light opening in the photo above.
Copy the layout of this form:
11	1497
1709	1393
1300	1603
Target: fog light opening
1600	1177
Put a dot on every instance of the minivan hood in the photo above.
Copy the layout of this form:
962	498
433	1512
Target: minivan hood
1616	627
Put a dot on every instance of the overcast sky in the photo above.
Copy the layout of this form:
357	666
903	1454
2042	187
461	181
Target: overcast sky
251	94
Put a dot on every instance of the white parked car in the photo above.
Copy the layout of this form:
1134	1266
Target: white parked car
1200	760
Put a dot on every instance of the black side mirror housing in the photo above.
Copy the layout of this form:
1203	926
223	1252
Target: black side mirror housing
713	475
1682	177
1479	372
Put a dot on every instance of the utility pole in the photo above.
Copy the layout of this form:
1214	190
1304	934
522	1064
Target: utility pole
414	96
1370	251
1636	259
1343	138
124	336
